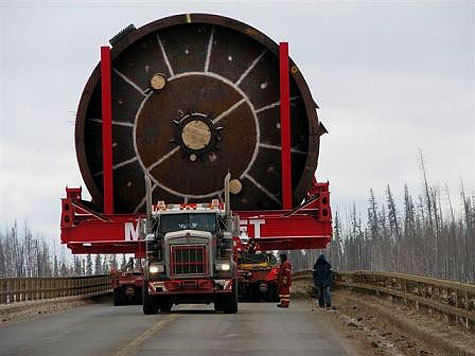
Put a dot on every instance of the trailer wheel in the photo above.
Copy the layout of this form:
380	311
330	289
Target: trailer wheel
272	293
231	300
150	305
138	296
119	296
254	293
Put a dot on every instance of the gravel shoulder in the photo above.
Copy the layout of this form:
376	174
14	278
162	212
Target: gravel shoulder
15	312
379	327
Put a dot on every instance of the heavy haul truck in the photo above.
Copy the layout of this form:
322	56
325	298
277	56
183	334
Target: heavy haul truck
183	101
189	255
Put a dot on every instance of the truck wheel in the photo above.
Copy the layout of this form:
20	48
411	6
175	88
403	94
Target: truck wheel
138	296
150	305
165	305
231	300
218	304
272	294
117	299
255	293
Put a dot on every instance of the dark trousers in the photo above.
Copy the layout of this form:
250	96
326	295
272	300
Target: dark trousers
324	296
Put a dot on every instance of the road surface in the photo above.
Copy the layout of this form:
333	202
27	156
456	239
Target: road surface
101	329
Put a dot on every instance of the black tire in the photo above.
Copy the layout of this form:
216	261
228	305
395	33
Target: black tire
272	293
165	305
117	298
218	304
138	296
255	293
230	305
149	303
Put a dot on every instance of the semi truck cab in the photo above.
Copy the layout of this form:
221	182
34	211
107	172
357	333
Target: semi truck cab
189	257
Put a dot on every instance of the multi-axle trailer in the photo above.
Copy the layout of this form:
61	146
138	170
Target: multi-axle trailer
185	100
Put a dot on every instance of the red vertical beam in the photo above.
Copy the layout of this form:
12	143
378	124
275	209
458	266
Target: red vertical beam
107	130
285	126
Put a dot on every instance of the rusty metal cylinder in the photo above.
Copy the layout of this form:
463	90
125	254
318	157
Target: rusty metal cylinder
193	97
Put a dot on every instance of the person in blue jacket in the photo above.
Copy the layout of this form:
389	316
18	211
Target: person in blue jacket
322	277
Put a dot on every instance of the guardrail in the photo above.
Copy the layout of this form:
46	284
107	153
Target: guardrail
13	290
453	299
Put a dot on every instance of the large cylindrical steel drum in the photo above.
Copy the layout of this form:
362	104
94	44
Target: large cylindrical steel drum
193	97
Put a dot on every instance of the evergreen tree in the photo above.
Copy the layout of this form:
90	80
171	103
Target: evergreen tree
98	265
89	265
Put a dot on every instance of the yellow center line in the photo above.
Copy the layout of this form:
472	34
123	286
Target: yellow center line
147	334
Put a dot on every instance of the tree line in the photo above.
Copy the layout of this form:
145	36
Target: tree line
430	234
24	255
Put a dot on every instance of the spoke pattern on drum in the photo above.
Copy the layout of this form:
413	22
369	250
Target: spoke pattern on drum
273	105
144	199
165	57
274	147
224	73
120	164
163	158
130	82
253	64
210	46
269	194
227	112
118	123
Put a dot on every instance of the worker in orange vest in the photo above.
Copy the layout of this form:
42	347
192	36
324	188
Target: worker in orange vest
284	281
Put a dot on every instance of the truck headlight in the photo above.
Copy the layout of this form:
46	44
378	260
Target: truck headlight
156	268
223	266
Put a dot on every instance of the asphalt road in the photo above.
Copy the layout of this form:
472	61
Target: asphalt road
101	329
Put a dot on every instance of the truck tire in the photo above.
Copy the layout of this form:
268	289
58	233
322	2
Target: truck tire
255	293
218	304
150	305
272	293
117	298
138	296
165	305
230	305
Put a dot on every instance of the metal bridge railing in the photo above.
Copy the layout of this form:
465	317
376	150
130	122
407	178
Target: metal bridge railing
13	290
453	299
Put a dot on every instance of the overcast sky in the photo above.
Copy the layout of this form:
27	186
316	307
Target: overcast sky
390	78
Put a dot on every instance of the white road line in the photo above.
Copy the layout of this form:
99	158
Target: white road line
253	64
130	82
273	105
120	164
118	123
163	158
164	54
133	346
210	45
227	112
293	150
272	196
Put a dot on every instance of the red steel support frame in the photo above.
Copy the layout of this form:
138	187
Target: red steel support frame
307	227
107	130
285	136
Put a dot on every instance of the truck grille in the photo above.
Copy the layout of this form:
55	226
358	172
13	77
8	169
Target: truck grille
188	259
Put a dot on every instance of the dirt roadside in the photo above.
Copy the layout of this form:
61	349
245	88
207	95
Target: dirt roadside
14	312
376	327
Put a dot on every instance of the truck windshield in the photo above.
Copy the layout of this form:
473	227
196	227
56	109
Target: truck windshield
254	258
177	222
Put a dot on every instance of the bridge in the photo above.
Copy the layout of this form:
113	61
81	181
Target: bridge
374	313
